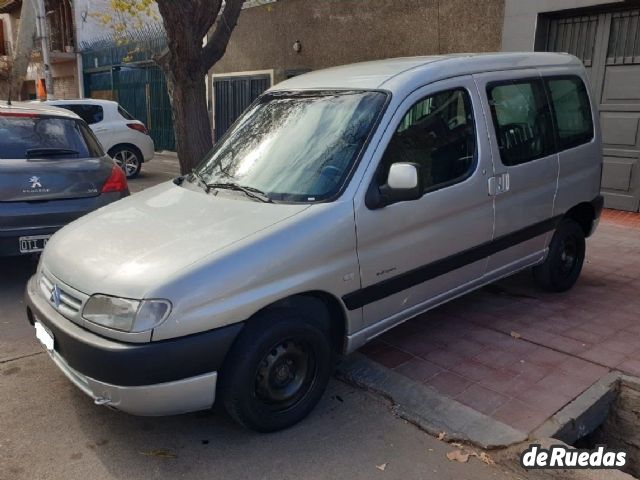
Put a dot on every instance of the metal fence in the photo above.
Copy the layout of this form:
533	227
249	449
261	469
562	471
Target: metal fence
122	69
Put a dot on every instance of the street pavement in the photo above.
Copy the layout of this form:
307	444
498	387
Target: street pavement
163	167
50	430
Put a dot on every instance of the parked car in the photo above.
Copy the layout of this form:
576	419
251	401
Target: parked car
125	139
342	203
52	171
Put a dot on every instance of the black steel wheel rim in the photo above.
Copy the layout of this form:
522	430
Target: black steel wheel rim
568	255
285	374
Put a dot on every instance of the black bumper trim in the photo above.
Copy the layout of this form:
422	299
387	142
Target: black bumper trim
598	205
132	364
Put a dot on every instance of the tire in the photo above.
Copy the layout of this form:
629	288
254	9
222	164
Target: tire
127	158
563	264
277	370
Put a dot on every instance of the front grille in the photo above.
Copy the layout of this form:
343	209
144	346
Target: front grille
70	302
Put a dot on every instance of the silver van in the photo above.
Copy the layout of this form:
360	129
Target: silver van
342	203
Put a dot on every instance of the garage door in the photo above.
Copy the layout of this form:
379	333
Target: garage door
232	95
609	45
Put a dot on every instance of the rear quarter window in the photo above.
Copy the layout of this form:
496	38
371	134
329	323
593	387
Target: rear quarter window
125	114
20	134
571	111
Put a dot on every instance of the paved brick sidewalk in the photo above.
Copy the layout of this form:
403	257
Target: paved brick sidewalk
518	354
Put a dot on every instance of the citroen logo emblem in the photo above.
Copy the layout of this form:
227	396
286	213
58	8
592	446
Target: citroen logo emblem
55	296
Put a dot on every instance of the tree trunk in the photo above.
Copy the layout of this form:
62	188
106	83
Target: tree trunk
186	62
190	118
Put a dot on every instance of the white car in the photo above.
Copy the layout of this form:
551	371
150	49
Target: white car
123	137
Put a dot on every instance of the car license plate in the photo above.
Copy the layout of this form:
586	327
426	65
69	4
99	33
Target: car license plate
34	243
45	337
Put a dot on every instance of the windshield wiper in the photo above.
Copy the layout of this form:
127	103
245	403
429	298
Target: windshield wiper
248	191
201	181
49	152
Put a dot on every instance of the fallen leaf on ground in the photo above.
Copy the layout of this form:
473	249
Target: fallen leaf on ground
441	436
516	335
161	453
382	467
483	457
456	444
458	456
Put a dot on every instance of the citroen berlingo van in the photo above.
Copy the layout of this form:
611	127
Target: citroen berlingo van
341	203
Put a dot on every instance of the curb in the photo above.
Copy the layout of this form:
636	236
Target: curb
584	414
426	408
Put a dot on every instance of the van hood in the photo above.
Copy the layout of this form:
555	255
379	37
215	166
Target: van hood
134	245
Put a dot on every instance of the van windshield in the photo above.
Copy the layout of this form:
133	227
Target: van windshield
297	147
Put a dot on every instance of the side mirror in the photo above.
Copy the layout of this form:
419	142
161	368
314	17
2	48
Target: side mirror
404	183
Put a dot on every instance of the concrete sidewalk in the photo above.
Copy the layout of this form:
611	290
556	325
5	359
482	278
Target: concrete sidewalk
518	355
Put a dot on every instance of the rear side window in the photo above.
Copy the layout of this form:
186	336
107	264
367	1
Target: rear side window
124	113
522	120
89	113
51	137
571	110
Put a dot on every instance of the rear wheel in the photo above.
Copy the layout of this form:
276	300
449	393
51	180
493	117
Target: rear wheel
128	159
563	264
277	370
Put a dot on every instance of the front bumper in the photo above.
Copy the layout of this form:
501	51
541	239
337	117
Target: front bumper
157	378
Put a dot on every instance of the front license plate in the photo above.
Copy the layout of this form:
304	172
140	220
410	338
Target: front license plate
34	243
45	337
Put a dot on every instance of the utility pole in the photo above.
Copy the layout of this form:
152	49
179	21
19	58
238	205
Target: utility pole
43	35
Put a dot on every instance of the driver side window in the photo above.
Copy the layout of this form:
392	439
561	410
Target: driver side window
437	133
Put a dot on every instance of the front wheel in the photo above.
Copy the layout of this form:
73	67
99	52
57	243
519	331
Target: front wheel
277	370
563	264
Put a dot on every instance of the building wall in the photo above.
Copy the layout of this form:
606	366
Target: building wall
65	88
335	32
10	25
521	16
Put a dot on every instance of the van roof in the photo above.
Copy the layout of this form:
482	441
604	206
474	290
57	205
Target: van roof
34	108
395	73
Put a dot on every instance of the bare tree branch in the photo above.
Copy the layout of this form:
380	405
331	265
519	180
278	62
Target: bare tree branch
218	41
208	11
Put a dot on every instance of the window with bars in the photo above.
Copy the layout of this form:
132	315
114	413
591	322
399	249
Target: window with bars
575	35
624	39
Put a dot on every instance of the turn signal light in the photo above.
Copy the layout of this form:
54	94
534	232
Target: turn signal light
139	127
117	181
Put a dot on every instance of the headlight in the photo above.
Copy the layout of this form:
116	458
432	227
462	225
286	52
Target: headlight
125	314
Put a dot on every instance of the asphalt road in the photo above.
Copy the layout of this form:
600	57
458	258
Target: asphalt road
50	430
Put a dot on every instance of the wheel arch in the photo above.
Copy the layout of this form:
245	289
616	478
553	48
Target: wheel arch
127	145
584	214
334	309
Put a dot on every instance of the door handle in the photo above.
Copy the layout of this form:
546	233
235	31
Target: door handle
499	184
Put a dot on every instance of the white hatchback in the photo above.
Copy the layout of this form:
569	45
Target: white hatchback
125	139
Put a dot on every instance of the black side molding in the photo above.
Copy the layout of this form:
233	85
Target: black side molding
422	274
